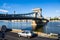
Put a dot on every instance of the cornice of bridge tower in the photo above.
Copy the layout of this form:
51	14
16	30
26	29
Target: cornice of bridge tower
38	12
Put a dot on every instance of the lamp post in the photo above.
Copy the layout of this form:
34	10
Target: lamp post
14	20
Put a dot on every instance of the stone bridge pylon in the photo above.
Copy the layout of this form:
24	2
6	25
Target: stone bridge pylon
37	12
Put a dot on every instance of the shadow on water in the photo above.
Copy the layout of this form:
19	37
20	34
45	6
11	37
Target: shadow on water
27	28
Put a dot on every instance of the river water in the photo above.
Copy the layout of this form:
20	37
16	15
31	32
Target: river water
16	25
50	27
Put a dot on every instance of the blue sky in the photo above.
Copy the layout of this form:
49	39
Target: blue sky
50	8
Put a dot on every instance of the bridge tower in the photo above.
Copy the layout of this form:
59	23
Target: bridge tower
37	12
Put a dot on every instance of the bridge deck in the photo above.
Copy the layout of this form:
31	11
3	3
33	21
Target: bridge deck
17	16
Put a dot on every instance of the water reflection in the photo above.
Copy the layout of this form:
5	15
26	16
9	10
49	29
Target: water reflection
17	25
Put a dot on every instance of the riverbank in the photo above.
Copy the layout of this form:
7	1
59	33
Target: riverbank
51	35
40	34
14	36
54	21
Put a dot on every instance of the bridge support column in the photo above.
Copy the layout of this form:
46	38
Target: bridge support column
37	12
34	25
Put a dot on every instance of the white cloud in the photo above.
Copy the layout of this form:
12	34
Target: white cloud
1	10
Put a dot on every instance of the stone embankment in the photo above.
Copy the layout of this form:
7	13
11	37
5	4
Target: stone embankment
40	34
51	35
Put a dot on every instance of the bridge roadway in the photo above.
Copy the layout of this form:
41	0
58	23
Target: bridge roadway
17	16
